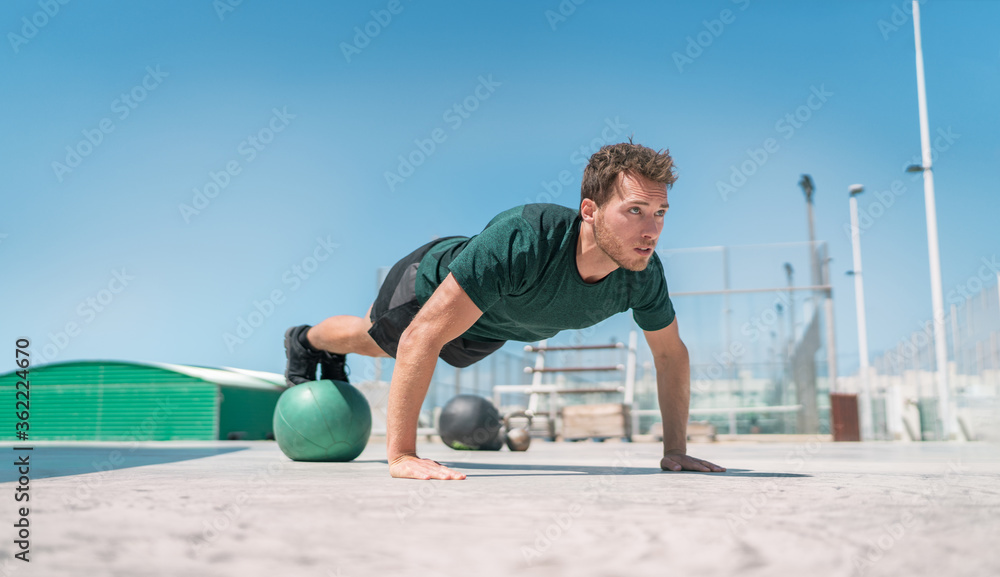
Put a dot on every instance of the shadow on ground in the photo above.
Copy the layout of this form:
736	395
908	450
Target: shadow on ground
49	461
571	470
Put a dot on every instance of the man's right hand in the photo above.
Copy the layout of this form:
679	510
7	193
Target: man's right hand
413	467
444	317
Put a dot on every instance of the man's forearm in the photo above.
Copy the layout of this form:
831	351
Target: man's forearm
673	384
411	377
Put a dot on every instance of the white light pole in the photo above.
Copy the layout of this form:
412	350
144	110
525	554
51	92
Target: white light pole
940	340
859	297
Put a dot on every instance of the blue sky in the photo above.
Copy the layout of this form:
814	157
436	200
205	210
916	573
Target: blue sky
263	108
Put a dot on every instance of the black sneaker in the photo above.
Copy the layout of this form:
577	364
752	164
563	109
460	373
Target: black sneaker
333	367
301	361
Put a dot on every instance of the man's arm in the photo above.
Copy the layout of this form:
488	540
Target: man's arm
673	386
445	316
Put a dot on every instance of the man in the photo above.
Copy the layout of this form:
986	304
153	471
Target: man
533	271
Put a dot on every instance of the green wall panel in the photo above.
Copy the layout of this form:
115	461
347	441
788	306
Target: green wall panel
105	401
247	411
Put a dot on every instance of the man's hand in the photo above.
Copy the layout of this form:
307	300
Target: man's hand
673	385
446	315
413	467
678	461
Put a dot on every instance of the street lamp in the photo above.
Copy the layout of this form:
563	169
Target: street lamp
820	276
937	298
859	292
808	188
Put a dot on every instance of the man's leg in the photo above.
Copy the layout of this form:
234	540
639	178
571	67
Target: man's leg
345	334
328	342
327	345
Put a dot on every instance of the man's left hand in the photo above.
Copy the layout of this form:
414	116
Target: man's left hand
682	462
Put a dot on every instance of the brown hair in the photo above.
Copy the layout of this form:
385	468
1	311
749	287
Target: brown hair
600	177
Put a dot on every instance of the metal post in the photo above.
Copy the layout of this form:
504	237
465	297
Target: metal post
630	385
789	271
940	344
783	347
859	292
955	340
831	333
896	407
536	381
994	351
727	310
969	330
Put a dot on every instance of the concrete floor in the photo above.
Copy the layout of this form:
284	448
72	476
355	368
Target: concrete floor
242	508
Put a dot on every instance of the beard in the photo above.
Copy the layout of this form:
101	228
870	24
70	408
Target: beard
612	246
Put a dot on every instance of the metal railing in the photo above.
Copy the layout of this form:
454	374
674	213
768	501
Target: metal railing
731	412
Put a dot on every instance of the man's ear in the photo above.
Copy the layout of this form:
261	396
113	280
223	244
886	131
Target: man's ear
588	208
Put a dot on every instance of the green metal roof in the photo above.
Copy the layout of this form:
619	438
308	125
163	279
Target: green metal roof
124	400
226	376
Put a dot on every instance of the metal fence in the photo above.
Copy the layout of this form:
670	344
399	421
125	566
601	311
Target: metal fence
903	378
756	320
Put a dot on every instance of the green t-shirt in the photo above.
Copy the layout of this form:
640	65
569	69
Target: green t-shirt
521	272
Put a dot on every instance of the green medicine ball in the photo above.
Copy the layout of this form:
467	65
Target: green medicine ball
322	421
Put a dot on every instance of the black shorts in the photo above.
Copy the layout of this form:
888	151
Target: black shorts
396	305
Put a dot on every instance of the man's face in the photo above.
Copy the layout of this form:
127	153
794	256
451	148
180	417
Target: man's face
629	224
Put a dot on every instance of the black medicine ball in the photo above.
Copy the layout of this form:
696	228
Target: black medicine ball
471	423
